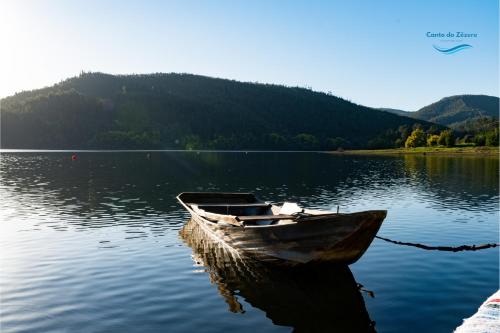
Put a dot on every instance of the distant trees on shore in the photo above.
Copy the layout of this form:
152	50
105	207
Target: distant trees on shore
448	138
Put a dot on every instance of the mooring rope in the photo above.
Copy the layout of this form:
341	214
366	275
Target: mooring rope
442	248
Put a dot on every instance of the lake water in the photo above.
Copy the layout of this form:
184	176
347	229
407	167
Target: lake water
95	244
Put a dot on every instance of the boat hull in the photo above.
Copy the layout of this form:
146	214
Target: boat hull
337	238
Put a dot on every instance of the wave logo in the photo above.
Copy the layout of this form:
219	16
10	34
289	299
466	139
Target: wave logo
452	50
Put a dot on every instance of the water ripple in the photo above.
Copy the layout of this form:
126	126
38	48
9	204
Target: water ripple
93	245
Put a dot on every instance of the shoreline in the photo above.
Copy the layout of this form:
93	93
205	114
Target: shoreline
478	151
488	151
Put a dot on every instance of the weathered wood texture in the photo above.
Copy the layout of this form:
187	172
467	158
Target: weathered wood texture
339	238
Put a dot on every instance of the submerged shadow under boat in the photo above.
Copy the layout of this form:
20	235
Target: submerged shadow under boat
282	233
309	298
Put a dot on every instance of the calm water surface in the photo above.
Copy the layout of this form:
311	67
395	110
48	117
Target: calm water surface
95	245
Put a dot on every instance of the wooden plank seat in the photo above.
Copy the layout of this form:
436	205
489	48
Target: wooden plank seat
257	204
263	217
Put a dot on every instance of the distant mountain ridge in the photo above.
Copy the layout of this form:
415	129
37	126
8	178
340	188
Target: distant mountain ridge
456	111
398	112
185	111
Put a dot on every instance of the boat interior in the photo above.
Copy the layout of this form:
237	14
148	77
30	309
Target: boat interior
244	208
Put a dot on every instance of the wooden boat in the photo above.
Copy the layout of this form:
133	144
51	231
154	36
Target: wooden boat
282	233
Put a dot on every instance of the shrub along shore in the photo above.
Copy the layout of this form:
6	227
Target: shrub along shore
457	150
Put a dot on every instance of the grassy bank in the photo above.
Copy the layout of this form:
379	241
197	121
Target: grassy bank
490	151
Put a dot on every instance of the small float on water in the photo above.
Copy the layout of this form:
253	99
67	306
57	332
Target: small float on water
282	233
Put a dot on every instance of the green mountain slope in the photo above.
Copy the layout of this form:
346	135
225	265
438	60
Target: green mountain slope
453	111
183	111
457	112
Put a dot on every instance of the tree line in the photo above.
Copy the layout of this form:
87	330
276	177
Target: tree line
183	111
449	138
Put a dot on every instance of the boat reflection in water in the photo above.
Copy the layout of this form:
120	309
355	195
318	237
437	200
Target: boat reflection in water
309	298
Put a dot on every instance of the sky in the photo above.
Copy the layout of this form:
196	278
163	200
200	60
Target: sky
373	52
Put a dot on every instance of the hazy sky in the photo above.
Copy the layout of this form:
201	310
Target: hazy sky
371	52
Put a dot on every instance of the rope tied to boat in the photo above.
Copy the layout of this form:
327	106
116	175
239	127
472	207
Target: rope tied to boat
443	248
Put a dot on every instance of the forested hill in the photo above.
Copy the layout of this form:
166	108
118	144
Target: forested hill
460	112
456	111
183	111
